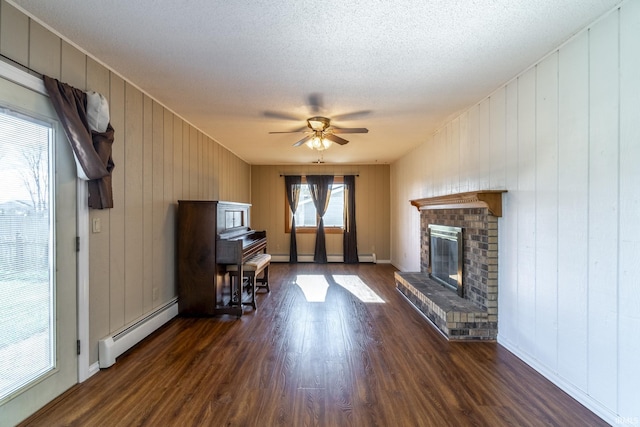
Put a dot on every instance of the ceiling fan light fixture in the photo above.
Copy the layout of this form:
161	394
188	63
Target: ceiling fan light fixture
318	142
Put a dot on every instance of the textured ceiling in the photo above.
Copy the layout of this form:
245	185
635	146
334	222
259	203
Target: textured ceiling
239	69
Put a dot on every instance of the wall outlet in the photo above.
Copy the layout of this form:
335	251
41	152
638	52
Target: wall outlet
156	293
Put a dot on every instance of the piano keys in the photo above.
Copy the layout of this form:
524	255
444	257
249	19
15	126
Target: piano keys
211	235
238	248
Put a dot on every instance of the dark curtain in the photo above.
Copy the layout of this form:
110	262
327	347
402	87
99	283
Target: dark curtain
91	149
350	239
292	184
320	189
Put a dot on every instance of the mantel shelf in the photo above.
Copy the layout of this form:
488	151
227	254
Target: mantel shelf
491	199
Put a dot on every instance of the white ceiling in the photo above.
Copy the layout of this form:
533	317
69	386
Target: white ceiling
236	69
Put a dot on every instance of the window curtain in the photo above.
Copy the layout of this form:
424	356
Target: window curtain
320	190
350	239
91	147
292	184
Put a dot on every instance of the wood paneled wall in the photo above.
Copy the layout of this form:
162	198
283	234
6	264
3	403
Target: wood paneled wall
563	139
372	208
159	159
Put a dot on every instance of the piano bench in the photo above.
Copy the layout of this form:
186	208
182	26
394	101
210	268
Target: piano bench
251	269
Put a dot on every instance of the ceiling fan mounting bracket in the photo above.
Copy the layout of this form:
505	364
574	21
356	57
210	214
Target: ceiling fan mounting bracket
318	124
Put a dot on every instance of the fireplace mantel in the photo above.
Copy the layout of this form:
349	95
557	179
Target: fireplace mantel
491	199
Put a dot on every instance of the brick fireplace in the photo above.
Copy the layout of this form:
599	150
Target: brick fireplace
474	315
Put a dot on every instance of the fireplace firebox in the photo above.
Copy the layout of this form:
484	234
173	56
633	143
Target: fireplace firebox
446	256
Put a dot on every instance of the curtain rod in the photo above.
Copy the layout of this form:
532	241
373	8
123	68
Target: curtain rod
318	174
13	61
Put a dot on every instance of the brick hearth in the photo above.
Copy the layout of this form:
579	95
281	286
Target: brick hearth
457	318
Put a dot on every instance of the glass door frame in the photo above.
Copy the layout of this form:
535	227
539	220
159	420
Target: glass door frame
85	370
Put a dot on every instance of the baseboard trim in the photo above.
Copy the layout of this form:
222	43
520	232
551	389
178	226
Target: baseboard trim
94	368
365	258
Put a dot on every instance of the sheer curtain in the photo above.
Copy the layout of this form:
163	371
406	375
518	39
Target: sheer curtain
320	190
292	184
350	239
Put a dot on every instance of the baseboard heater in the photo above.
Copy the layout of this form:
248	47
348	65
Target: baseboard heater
111	347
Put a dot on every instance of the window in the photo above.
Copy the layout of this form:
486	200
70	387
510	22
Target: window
27	323
306	216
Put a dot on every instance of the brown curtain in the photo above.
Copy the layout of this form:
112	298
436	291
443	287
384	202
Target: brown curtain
320	189
292	184
349	237
91	149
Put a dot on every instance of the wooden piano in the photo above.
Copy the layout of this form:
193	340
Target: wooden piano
211	235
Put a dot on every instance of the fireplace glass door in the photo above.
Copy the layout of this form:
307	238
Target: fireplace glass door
445	252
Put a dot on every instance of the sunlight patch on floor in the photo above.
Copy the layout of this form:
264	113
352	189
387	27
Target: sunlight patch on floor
315	287
358	288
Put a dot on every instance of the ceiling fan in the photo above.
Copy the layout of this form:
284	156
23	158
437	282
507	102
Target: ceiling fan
320	133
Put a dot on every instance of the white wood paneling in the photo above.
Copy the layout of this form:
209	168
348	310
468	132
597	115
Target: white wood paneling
484	144
573	172
526	206
454	156
603	210
465	154
629	231
473	147
497	140
546	218
508	225
436	166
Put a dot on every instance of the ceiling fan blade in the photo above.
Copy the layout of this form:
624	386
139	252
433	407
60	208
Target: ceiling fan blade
349	130
315	102
336	139
351	116
298	130
281	116
303	140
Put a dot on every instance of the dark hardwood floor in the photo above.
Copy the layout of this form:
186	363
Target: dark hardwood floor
339	362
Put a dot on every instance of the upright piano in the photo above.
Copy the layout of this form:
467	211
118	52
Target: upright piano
211	235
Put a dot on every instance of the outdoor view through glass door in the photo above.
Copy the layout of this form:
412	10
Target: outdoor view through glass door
37	257
26	280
